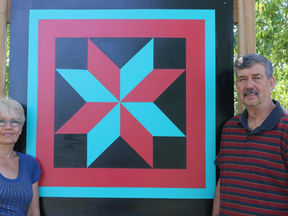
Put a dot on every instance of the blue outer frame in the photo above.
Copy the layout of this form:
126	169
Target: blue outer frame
210	92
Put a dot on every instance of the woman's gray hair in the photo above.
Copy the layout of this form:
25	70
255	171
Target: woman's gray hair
250	59
12	108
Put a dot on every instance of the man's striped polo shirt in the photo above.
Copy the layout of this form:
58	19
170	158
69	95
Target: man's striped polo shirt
254	166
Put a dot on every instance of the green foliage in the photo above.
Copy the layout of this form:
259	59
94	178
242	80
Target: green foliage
7	81
272	42
7	66
8	41
235	57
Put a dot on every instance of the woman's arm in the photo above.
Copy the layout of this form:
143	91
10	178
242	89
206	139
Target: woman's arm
34	209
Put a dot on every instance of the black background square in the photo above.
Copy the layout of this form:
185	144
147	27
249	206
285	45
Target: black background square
71	53
169	152
70	151
169	53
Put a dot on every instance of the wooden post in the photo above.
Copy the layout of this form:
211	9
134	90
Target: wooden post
8	11
3	45
246	32
235	12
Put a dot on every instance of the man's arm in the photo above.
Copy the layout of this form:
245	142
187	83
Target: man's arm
216	203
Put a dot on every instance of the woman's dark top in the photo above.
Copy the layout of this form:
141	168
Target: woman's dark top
16	194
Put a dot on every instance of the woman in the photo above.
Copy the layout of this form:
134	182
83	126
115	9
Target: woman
19	173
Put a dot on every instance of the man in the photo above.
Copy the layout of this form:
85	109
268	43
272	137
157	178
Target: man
253	157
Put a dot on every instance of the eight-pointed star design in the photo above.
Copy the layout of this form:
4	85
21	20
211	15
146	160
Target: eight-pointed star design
119	102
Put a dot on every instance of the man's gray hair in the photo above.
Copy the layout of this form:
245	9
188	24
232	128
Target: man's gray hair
250	59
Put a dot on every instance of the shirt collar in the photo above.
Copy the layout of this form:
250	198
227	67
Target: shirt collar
270	122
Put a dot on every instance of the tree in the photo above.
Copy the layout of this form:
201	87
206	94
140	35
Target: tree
272	42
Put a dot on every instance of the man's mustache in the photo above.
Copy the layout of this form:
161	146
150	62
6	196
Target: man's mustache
251	91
